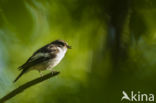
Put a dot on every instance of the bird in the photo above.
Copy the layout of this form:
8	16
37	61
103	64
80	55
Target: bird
45	58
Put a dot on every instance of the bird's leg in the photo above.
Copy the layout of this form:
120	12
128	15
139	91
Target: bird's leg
52	72
40	73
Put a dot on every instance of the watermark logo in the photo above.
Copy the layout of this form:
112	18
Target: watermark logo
125	96
137	96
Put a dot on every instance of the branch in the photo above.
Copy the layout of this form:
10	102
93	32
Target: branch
27	85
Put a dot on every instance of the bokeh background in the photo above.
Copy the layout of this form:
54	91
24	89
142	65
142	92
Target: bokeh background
113	41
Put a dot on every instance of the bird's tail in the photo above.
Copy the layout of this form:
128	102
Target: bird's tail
23	71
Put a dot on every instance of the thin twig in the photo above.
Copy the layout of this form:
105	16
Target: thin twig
27	85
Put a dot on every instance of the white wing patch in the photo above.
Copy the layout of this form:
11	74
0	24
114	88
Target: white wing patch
39	55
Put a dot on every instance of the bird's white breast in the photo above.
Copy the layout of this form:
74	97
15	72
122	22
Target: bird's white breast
59	57
61	54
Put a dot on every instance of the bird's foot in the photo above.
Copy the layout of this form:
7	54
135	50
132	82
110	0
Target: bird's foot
41	74
53	72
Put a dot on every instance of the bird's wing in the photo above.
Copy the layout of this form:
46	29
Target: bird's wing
40	56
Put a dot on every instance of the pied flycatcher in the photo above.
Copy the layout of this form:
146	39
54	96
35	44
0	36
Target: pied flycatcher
46	57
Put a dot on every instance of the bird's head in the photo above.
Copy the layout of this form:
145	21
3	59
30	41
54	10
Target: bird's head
62	44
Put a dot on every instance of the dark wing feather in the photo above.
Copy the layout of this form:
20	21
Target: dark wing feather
32	63
26	66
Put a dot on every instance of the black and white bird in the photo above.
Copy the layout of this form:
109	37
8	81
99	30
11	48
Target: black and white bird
45	58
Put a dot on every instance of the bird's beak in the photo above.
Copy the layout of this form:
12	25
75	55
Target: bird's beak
69	47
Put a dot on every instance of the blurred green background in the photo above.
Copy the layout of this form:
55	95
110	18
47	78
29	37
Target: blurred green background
113	41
